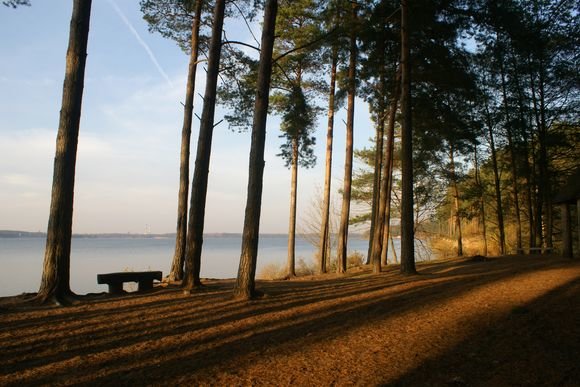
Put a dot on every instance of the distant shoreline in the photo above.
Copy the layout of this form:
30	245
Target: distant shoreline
28	234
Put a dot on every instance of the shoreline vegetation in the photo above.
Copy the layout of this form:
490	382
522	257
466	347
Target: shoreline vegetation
453	324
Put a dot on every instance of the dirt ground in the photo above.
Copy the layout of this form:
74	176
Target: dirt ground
503	321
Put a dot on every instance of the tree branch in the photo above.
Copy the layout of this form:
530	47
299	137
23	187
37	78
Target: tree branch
305	45
240	43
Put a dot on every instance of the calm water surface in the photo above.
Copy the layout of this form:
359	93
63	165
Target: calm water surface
21	258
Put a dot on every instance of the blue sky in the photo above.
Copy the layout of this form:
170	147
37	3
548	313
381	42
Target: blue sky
128	156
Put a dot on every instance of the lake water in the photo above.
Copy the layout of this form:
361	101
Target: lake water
21	258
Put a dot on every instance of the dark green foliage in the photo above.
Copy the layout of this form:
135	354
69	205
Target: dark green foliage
16	3
171	19
239	92
298	120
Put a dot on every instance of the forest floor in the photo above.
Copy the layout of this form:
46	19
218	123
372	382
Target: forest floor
503	321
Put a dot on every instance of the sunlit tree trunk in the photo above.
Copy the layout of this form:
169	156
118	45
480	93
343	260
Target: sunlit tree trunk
498	201
176	272
245	283
291	263
383	218
379	136
544	160
456	214
387	234
526	155
407	223
539	198
513	162
346	192
324	228
200	175
55	282
393	249
479	185
375	206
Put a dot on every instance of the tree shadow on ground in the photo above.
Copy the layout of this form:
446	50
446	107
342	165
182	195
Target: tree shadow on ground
185	335
543	332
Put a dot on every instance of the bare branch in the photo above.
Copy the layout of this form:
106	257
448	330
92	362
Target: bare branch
247	24
230	42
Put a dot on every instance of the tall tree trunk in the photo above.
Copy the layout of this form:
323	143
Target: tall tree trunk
498	201
529	184
387	223
527	170
379	243
291	263
407	223
567	240
346	192
245	283
324	227
544	161
479	185
375	205
393	249
541	178
176	272
513	161
200	175
578	221
456	216
379	136
55	282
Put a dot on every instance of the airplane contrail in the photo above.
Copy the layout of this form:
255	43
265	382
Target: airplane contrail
141	41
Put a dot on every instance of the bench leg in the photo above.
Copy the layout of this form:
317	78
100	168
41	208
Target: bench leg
145	285
116	288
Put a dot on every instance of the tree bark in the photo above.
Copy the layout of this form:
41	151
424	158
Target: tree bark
387	223
291	263
407	218
245	283
544	161
540	181
176	273
346	193
200	175
378	237
393	249
457	218
379	139
513	162
55	282
325	225
578	224
566	231
527	170
481	200
499	210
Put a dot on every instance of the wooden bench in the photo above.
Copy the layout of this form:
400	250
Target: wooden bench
116	280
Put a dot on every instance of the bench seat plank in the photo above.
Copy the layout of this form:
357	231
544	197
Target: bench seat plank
116	280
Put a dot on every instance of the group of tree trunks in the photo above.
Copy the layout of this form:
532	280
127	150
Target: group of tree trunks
446	108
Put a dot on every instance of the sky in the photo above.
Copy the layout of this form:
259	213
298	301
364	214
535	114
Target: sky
127	174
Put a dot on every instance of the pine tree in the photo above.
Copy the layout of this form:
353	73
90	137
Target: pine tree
200	176
55	282
245	284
